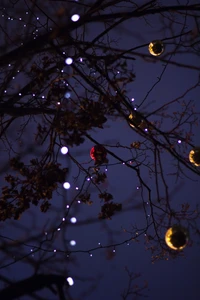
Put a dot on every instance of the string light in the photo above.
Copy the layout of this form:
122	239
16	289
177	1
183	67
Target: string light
70	280
72	243
75	18
64	150
67	95
68	61
66	185
73	220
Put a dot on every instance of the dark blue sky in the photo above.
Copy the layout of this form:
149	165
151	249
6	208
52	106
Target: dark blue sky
95	276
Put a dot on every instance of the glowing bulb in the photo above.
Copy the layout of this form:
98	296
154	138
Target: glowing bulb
72	243
73	220
66	185
67	95
64	150
70	280
68	61
75	18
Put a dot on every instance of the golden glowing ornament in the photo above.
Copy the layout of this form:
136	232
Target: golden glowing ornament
136	121
194	156
156	48
177	237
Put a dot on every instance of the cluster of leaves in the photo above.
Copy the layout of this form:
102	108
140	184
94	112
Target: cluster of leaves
74	124
30	185
108	208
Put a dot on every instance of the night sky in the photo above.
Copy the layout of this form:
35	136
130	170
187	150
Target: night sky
106	251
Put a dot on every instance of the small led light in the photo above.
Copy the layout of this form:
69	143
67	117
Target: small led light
67	95
64	150
70	280
72	243
73	220
68	61
66	185
75	18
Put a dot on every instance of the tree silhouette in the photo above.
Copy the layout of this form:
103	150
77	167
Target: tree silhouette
66	79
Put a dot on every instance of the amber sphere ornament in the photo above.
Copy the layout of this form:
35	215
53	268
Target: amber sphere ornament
156	48
194	156
98	153
177	237
136	121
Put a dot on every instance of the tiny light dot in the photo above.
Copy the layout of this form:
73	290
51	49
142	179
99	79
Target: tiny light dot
73	220
58	103
90	254
70	280
76	188
113	250
75	18
68	61
72	243
67	95
132	99
146	129
66	185
64	150
58	229
63	219
54	250
179	141
67	206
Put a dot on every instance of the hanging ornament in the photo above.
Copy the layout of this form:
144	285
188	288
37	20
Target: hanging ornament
194	156
177	237
136	121
98	153
156	48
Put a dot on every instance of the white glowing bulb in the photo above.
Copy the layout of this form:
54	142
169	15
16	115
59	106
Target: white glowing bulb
67	95
68	61
64	150
72	243
66	185
75	18
70	280
73	220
